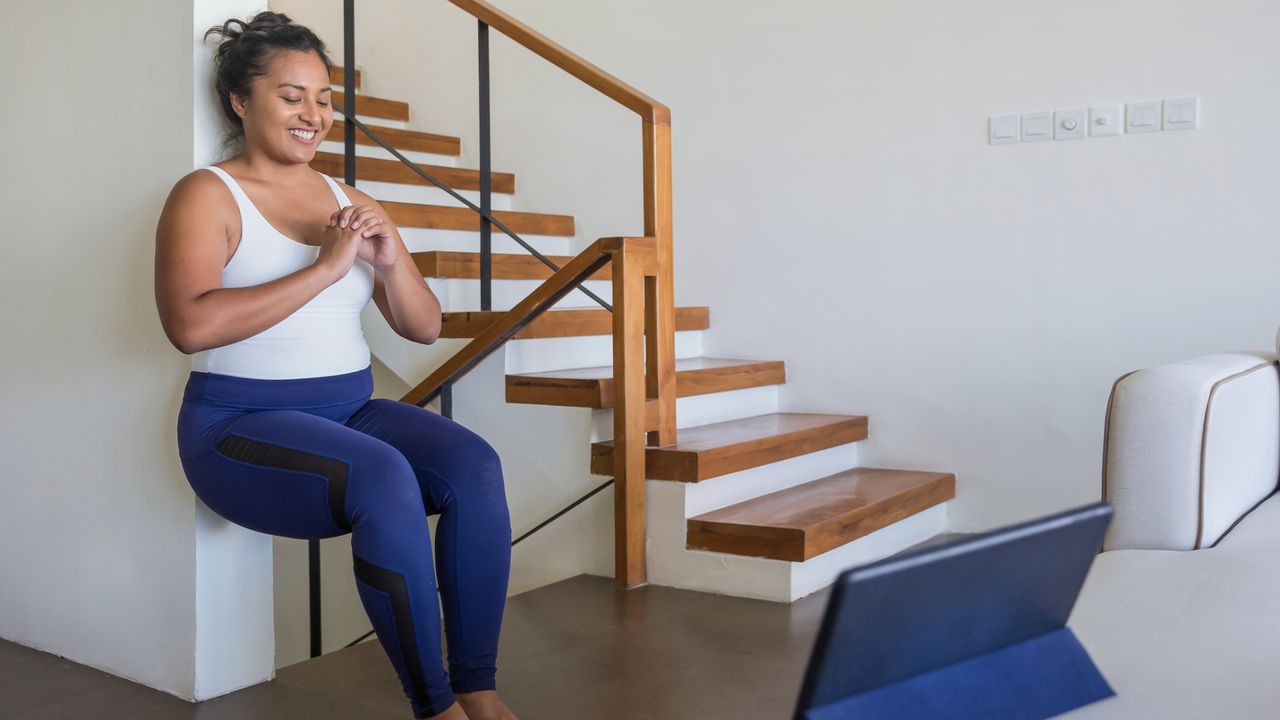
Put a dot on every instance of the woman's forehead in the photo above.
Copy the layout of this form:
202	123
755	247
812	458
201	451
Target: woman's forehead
295	66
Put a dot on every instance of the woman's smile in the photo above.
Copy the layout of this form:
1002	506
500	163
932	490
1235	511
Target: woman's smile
304	136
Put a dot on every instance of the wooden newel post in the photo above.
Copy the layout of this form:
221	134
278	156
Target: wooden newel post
633	264
661	319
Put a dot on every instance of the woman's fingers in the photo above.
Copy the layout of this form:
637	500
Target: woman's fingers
344	215
363	216
371	226
356	217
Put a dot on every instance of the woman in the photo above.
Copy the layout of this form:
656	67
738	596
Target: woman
262	268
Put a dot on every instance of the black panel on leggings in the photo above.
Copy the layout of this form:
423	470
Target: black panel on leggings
392	583
256	452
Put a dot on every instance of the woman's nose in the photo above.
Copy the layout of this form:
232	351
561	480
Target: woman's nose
311	113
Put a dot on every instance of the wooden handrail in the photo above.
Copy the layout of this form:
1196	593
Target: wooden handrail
645	106
561	283
635	267
644	299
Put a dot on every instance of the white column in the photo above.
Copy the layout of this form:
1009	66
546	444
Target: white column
235	626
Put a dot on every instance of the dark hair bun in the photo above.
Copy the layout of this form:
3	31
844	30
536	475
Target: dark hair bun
246	51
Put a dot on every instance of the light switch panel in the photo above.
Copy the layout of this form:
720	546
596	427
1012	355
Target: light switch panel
1105	120
1003	129
1181	113
1070	124
1037	126
1142	117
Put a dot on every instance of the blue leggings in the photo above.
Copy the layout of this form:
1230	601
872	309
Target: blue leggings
316	458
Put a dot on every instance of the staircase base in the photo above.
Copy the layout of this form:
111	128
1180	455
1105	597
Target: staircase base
671	564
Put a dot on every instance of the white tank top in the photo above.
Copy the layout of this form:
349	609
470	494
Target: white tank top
321	338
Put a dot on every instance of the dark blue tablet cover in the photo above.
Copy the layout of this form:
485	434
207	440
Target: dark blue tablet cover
975	628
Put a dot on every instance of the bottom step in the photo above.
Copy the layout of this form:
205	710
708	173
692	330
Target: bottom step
806	520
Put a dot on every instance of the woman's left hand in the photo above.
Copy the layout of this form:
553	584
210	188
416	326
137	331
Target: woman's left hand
379	246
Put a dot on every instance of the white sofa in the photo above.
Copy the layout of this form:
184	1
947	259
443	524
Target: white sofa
1181	612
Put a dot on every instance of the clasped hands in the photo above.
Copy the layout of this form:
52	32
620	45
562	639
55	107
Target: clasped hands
377	244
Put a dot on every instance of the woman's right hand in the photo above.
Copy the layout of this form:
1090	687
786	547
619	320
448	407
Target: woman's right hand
341	245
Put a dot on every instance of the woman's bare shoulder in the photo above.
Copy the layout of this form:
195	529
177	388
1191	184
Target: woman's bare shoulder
202	192
199	204
357	197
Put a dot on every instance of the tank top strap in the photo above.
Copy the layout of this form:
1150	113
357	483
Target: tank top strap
247	208
338	193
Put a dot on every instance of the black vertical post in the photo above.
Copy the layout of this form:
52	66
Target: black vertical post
446	400
349	91
349	170
486	207
313	563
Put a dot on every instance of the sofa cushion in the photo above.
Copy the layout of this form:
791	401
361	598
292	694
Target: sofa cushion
1190	448
1258	531
1187	634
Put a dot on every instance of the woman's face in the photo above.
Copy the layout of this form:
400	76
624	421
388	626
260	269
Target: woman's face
289	110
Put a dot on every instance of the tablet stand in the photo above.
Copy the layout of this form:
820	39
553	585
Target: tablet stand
1037	678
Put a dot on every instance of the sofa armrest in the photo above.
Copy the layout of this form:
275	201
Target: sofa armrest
1190	448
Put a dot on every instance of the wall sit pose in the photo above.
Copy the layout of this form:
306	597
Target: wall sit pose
263	266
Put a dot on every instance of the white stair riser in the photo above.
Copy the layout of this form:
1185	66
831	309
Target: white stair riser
426	195
816	573
424	239
718	492
703	409
335	143
548	354
462	294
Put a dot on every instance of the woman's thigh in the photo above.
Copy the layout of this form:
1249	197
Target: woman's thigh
448	459
286	472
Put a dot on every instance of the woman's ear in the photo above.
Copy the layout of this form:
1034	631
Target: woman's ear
240	105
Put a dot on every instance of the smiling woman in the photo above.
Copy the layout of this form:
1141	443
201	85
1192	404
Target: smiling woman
263	268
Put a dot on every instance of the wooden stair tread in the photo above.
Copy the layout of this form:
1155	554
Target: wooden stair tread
506	266
400	139
801	522
337	76
593	387
560	323
394	171
707	451
370	106
445	217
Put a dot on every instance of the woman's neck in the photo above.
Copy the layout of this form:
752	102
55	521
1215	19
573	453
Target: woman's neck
260	167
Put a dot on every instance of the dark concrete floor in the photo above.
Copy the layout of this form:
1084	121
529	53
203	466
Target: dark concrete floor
579	649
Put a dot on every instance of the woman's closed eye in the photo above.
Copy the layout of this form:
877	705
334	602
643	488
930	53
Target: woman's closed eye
292	101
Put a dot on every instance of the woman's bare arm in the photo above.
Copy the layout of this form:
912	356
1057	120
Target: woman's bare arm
197	313
400	292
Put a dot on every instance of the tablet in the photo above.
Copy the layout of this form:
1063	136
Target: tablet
913	615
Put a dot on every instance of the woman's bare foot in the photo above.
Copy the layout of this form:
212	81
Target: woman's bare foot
453	712
485	705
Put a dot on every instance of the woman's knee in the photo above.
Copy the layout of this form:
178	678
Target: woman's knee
382	475
480	466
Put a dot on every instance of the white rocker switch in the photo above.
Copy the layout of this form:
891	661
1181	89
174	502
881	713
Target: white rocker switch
1003	129
1037	126
1181	113
1142	117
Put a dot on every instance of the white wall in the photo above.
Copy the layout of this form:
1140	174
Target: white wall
98	524
837	205
108	557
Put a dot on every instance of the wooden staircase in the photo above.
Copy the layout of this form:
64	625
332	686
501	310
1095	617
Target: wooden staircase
715	484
